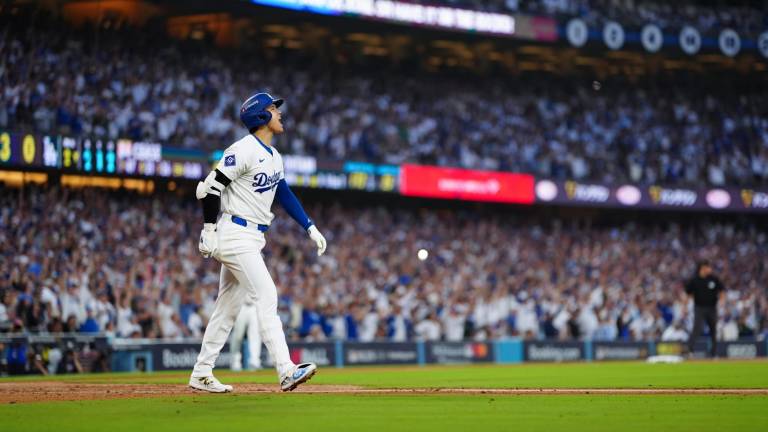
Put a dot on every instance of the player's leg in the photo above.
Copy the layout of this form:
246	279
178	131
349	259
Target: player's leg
217	331
698	321
255	276
254	338
236	341
712	323
265	292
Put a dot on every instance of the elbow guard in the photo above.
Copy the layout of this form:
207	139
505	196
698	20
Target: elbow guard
213	185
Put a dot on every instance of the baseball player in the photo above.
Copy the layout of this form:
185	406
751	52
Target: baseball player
247	179
247	320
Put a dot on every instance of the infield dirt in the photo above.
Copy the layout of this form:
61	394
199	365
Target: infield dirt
46	391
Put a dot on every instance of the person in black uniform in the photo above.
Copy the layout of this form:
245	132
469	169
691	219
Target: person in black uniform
706	290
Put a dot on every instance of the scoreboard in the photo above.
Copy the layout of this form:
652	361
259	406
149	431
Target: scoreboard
27	150
124	157
307	171
86	155
370	177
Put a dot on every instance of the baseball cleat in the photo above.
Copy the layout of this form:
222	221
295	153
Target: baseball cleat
301	373
209	384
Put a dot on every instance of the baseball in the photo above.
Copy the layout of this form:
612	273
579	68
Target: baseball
422	254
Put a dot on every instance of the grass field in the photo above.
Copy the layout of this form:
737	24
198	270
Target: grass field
361	408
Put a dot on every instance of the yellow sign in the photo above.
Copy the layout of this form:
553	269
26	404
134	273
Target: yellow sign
28	148
387	183
570	189
746	196
358	180
5	147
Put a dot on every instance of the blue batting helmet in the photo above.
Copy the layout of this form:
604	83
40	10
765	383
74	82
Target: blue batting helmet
253	112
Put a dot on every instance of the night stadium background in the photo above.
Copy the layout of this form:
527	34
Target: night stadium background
564	163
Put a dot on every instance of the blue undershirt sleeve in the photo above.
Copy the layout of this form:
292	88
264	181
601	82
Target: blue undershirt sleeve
292	205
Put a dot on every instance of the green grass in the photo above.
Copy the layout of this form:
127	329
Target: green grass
297	412
722	374
426	412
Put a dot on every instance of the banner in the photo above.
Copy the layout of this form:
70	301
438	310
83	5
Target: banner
741	349
149	355
672	348
461	184
620	350
536	28
377	353
459	352
322	354
407	13
579	193
555	351
174	356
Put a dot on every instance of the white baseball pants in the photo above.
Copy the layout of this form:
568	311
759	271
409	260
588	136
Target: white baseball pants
247	320
243	275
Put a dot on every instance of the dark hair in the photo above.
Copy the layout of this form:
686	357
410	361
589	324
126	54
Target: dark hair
701	264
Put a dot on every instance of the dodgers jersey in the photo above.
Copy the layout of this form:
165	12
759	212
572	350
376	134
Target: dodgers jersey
255	170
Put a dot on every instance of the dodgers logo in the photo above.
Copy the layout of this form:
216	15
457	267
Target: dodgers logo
263	183
229	161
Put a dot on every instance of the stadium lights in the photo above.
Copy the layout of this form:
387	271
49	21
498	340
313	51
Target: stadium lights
19	178
435	16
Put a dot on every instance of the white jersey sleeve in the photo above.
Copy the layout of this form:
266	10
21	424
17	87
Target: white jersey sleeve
234	162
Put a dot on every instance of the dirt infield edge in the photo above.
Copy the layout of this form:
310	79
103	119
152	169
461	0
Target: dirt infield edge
20	392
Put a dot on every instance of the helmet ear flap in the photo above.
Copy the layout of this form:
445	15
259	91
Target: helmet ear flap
264	117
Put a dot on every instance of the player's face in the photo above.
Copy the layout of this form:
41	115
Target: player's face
275	124
705	271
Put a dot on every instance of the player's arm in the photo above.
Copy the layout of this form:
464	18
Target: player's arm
292	206
689	287
209	193
720	291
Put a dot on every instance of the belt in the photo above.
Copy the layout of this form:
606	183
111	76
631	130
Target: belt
240	221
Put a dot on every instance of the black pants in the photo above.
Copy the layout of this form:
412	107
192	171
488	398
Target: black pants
702	314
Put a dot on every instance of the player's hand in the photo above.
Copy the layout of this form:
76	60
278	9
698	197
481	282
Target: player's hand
209	241
318	238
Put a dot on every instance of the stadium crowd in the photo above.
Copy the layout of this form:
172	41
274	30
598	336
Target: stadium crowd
142	85
89	260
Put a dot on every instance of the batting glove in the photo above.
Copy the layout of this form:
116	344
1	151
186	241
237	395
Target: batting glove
209	241
318	238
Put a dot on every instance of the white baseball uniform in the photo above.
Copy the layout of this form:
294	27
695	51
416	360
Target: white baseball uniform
254	170
247	320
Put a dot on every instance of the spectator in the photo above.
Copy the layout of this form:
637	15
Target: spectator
428	329
69	364
491	273
143	85
89	325
675	333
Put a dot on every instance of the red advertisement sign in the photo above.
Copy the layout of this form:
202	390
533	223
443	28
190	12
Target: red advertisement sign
461	184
